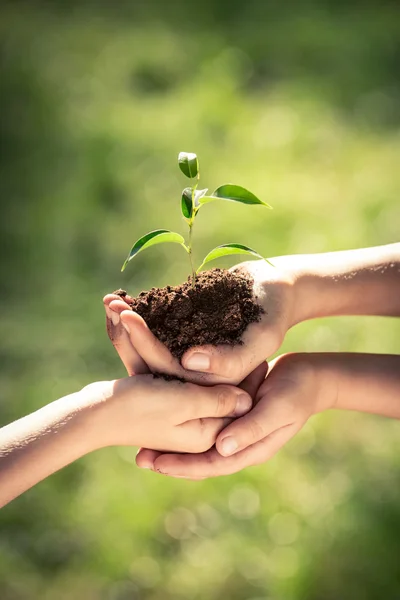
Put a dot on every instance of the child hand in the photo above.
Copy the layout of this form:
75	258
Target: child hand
164	415
119	337
294	390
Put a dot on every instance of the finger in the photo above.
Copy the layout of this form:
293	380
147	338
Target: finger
273	411
231	401
266	449
253	381
212	464
145	458
233	363
216	401
131	359
198	466
155	354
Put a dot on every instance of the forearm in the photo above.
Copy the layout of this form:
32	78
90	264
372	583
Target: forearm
362	382
43	442
353	282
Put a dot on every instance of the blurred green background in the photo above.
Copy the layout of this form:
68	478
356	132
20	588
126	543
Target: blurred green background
299	101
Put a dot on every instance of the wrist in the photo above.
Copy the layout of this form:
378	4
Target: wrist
349	282
327	381
318	290
306	287
94	414
313	377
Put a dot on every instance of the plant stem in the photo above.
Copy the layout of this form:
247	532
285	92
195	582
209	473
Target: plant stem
190	254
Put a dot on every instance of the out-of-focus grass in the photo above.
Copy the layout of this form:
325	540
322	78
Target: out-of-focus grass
95	108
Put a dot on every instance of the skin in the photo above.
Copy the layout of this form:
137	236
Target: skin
297	387
140	349
138	410
355	282
211	425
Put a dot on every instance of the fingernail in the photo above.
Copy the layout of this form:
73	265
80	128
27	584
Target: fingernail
198	362
126	327
228	446
243	405
115	317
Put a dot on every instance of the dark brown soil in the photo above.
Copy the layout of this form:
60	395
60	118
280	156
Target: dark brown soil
216	311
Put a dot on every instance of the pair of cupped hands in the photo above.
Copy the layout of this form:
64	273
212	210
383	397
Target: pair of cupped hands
273	401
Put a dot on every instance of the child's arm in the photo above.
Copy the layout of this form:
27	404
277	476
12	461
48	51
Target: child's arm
298	386
139	411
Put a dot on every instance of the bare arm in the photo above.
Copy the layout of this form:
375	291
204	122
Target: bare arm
41	443
352	282
362	382
138	411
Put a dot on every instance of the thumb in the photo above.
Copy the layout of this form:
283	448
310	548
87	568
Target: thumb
253	381
219	401
155	354
233	364
134	364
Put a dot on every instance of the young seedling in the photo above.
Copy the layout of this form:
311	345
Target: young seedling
191	202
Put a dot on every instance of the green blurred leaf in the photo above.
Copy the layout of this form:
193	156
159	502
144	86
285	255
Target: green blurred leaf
227	250
159	236
235	193
187	203
188	164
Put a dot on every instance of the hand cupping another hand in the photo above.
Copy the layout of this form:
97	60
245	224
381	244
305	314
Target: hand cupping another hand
291	393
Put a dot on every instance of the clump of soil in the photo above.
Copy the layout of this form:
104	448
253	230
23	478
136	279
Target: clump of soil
215	311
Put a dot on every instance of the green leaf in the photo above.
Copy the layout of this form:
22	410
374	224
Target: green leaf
197	195
235	193
187	203
188	164
188	196
227	250
159	236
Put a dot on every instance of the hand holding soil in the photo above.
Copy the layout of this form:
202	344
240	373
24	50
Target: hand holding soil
232	351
